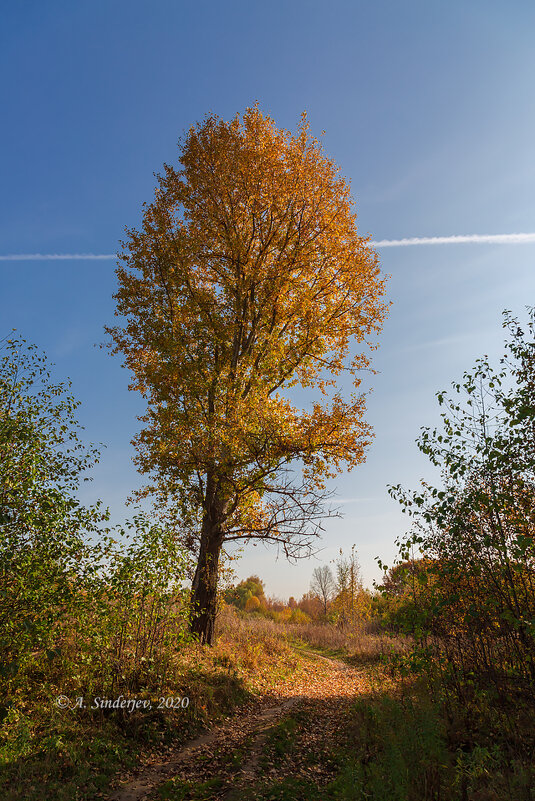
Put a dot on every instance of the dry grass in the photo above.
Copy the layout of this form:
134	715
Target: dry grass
255	647
362	642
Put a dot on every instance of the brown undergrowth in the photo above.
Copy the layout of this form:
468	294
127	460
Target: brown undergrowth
74	753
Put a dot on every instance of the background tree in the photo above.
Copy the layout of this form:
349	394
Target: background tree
253	587
322	585
348	587
247	278
311	605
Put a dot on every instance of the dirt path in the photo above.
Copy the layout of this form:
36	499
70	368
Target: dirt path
235	755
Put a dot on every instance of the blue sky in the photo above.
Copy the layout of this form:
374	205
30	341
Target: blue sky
429	110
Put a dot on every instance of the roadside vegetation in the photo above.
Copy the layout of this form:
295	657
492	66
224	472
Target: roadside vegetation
89	612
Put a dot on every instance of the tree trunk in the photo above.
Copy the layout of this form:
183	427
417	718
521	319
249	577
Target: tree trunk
204	587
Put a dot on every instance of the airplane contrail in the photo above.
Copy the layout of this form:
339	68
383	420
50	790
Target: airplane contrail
499	239
57	256
458	239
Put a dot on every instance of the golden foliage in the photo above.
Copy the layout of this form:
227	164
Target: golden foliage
248	277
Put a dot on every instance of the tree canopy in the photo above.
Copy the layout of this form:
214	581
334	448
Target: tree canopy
247	278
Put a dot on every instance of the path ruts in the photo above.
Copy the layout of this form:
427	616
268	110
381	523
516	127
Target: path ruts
323	690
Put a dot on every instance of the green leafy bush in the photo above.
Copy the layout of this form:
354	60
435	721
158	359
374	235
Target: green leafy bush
44	551
475	600
80	610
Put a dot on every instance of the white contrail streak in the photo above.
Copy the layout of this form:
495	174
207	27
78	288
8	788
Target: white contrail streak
57	256
489	239
499	239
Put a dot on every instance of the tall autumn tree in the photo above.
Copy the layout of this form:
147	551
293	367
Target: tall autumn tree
247	278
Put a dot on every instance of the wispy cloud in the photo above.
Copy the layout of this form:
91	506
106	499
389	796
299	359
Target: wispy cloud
352	500
498	239
445	342
57	256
